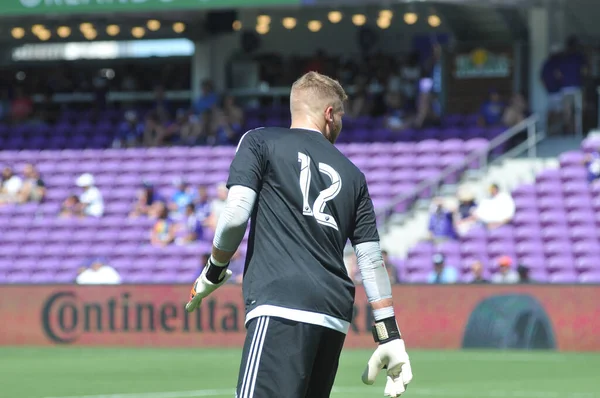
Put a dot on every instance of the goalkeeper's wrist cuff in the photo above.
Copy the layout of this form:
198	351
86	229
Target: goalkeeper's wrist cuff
215	273
386	330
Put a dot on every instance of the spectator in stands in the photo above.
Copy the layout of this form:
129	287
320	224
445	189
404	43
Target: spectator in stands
207	100
477	272
130	133
202	203
182	197
71	208
163	232
175	130
463	216
21	106
430	89
496	210
516	111
216	206
411	74
234	115
146	197
492	110
33	188
390	267
523	272
359	104
396	118
573	68
505	274
189	228
317	63
592	164
551	78
156	126
441	226
10	186
90	198
98	273
442	273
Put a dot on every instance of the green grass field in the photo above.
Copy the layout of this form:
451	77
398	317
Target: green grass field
179	373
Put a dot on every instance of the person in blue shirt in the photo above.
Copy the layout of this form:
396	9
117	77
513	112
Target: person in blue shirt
130	132
441	223
208	100
442	273
491	111
592	164
551	78
182	197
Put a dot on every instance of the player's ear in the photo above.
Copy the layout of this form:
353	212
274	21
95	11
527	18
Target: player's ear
329	114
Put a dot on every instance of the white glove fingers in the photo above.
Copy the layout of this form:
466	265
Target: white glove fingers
374	365
406	374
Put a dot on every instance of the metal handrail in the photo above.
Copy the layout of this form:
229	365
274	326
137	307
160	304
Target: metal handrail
481	154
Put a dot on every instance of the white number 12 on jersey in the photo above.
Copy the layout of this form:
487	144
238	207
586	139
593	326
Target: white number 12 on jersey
324	196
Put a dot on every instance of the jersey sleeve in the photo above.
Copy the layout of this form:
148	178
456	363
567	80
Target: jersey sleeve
365	224
247	168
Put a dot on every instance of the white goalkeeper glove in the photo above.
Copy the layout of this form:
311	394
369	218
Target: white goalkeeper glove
391	354
203	285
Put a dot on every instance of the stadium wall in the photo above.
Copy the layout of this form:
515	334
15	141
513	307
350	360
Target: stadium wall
433	317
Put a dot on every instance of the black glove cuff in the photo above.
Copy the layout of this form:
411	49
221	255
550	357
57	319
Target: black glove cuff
386	330
215	273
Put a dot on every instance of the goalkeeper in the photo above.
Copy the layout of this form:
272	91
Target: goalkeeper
305	199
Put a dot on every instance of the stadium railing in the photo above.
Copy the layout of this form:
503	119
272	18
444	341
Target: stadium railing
482	155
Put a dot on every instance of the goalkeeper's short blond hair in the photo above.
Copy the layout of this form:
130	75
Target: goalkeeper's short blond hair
314	92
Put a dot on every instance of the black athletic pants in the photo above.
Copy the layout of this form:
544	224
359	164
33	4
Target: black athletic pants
288	359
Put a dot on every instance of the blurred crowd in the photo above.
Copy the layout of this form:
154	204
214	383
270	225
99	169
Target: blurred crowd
27	187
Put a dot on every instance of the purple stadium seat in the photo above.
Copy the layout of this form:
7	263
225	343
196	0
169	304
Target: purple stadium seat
590	277
563	277
571	158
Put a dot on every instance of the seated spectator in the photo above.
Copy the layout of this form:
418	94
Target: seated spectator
33	188
10	186
130	132
189	228
396	118
90	198
147	196
463	216
516	111
492	110
207	100
505	274
175	130
442	273
497	210
98	273
358	104
592	164
182	197
155	129
477	271
233	113
71	208
217	206
523	272
390	267
202	203
163	232
441	226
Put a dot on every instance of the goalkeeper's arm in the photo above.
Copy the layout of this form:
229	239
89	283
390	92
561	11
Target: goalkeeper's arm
376	282
231	227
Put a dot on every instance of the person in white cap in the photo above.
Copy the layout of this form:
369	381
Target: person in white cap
90	198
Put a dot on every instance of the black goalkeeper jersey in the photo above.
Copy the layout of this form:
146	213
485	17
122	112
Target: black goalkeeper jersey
310	200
